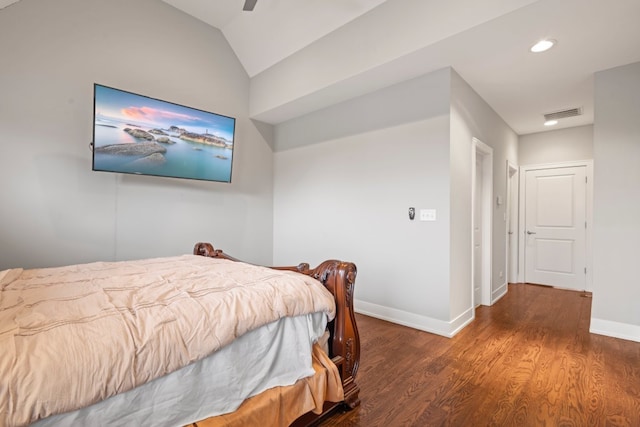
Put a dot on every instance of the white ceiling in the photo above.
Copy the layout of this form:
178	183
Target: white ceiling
275	29
363	45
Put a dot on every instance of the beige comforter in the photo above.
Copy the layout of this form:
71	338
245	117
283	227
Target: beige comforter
75	335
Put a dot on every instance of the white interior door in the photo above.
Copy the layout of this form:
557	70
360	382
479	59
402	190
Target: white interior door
555	227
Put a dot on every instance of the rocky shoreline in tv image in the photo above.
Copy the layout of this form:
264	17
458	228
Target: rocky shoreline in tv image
148	151
154	149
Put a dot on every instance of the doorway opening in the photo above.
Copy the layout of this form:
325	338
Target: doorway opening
482	220
512	223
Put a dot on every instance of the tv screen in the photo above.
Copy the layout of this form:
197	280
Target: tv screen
137	134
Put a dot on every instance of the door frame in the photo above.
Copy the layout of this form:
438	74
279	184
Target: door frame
588	164
479	147
511	217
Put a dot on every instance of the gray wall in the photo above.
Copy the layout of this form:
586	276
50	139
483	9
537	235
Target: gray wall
616	293
556	146
345	187
54	209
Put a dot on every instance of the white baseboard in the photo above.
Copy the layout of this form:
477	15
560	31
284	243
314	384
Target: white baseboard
416	321
624	331
499	293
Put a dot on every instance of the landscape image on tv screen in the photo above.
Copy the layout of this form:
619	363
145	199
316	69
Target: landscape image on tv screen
142	135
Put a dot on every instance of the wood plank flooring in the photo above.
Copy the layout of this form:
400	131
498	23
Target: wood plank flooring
529	360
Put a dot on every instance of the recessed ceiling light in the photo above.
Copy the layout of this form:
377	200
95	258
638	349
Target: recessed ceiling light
542	45
550	122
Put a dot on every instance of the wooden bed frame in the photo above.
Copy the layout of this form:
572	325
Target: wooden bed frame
344	342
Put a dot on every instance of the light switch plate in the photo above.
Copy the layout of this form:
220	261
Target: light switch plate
427	214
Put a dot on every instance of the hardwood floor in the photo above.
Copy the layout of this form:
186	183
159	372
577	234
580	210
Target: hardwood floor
529	360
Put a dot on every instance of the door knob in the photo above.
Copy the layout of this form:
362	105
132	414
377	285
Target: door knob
531	232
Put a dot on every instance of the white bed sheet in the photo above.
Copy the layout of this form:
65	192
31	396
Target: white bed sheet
273	355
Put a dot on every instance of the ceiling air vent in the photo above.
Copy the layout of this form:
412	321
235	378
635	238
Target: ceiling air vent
571	112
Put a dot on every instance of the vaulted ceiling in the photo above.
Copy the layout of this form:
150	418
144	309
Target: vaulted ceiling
304	55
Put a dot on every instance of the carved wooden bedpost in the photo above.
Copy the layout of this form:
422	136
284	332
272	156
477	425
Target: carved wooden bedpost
339	277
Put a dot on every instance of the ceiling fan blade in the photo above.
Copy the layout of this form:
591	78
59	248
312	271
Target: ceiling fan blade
249	5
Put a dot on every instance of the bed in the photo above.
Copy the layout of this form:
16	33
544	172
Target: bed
200	339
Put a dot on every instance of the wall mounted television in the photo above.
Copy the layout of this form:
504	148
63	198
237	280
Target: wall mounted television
136	134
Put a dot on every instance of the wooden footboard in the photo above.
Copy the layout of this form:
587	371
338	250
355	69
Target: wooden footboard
344	343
